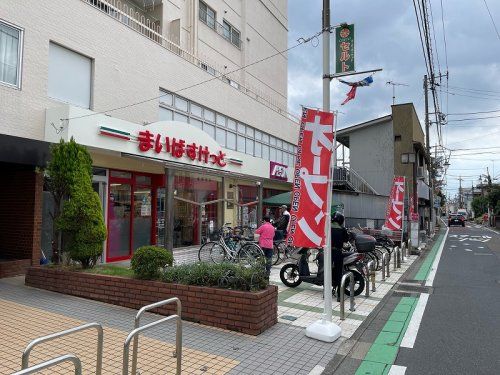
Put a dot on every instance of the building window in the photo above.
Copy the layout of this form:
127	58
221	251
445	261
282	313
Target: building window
220	136
70	76
240	145
207	15
397	138
231	140
231	33
10	55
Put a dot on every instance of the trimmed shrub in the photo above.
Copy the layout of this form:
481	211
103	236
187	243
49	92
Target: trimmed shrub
225	275
148	262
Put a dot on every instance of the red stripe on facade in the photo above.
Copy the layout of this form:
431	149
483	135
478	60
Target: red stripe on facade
115	135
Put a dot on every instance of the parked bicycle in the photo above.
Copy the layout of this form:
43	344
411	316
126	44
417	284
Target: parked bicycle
230	248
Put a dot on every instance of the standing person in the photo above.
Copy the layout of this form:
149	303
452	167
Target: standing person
266	232
339	236
282	223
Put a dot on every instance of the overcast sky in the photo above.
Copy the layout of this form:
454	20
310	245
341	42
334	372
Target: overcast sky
386	36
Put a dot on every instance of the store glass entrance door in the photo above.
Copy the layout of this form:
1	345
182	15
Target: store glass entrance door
119	221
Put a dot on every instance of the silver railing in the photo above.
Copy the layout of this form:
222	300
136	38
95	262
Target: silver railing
367	275
53	362
350	276
354	180
137	329
100	335
152	30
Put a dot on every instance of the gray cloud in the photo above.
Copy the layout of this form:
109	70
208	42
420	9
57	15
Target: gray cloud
387	37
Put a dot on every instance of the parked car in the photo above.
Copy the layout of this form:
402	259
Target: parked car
456	219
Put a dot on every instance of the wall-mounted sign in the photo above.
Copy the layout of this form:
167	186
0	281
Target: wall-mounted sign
344	41
277	171
176	147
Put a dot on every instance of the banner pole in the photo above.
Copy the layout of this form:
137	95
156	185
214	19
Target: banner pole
327	282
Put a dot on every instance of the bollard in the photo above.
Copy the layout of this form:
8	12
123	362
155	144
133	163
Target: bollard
350	276
372	276
366	271
403	252
384	265
398	258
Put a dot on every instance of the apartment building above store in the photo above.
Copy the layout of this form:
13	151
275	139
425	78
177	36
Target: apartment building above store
118	54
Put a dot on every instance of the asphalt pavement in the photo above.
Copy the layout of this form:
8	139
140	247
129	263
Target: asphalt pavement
460	329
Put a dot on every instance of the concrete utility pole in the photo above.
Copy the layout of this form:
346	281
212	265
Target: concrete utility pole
460	199
428	149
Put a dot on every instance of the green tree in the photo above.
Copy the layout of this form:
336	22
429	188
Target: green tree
480	205
494	199
66	160
81	219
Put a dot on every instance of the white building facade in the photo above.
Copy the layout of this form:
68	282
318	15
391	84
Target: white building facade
130	80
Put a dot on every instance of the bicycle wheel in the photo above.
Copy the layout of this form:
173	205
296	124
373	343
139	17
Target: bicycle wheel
204	252
284	251
249	254
217	253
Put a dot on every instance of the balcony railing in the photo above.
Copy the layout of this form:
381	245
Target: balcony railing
346	177
151	29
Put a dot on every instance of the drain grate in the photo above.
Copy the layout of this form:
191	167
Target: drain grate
414	288
288	317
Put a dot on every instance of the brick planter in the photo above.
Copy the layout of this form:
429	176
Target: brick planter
247	312
15	267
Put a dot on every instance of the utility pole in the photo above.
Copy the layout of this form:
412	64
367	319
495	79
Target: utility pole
460	200
428	149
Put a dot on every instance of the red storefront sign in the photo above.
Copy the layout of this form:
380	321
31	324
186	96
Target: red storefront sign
178	148
277	171
395	206
310	180
413	214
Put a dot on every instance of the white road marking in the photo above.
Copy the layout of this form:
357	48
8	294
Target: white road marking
482	254
397	370
317	370
468	250
412	330
453	246
480	247
432	274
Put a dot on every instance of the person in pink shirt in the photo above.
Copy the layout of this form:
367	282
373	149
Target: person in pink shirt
266	232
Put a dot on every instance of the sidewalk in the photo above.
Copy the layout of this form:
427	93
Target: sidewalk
373	348
27	313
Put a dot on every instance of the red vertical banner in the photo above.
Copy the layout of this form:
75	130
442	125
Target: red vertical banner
310	181
395	207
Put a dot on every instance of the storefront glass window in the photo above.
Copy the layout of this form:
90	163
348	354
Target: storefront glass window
121	174
193	222
247	215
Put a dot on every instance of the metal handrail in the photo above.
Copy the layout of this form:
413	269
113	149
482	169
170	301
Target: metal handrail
178	331
135	332
349	275
353	178
385	266
100	337
53	362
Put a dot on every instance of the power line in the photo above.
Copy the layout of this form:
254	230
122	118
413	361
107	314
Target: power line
479	136
472	118
420	35
472	113
300	42
469	89
444	37
492	20
469	96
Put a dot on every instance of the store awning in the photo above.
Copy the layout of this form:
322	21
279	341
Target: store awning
286	198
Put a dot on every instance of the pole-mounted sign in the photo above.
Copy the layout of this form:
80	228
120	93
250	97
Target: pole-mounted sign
344	42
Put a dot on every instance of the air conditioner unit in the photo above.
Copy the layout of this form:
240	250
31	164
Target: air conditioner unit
420	172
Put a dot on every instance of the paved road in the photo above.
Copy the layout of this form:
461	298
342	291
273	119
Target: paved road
460	328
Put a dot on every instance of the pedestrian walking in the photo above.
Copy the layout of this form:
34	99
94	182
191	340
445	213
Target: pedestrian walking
282	223
266	233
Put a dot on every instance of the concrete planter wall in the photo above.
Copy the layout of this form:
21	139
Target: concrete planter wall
247	312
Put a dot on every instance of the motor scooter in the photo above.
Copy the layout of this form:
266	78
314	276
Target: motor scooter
293	274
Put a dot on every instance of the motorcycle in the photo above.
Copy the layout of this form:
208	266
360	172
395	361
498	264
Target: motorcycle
293	274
